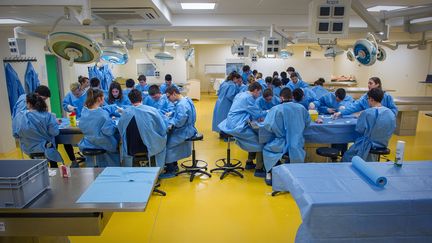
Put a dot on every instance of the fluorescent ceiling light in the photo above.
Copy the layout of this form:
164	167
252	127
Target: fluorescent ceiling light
421	20
198	5
12	21
384	8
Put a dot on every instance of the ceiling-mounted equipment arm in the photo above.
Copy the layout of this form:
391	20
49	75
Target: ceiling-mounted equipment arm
274	28
20	30
378	27
126	39
84	16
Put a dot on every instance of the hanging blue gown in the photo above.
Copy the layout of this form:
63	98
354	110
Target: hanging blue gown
104	74
99	133
20	105
286	122
375	126
183	123
362	104
243	110
31	79
329	101
14	86
34	130
226	93
152	131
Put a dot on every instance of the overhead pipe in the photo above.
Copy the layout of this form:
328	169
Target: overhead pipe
378	27
20	30
410	12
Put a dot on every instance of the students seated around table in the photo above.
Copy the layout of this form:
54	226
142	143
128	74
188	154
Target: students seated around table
334	102
267	100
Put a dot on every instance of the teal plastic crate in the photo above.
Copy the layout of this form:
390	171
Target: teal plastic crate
21	181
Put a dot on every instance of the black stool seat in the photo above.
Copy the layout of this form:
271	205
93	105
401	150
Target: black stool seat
93	152
379	151
327	152
196	137
226	135
37	155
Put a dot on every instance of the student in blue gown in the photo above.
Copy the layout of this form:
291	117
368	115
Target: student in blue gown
305	97
375	126
115	96
286	122
268	80
260	80
363	104
318	88
21	105
142	85
291	70
277	86
243	110
99	131
168	83
36	129
74	99
296	82
284	78
157	100
246	72
275	74
267	100
151	127
84	83
181	127
334	102
130	85
255	73
226	93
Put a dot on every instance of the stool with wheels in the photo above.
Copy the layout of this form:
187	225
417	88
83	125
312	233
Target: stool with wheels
379	152
93	153
227	167
194	168
331	153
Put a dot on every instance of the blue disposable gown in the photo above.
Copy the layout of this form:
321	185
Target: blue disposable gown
14	86
126	93
329	101
104	74
226	93
164	87
99	133
243	110
34	130
319	91
31	79
20	105
143	89
375	126
70	99
242	88
362	104
183	122
286	122
265	105
124	102
299	84
152	130
245	76
309	97
276	90
163	104
298	76
263	83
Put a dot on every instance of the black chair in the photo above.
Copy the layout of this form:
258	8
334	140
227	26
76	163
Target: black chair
138	150
37	156
379	152
331	153
195	168
93	153
227	167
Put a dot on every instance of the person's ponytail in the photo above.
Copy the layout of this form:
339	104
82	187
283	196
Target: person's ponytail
92	95
36	102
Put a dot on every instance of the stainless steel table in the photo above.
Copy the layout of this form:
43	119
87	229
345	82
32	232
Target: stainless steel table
409	107
54	215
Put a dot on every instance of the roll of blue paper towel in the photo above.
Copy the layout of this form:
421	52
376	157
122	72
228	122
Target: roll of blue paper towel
368	172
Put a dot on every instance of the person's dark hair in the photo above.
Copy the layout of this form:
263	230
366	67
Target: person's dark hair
43	90
298	94
319	82
142	77
267	93
293	75
275	73
254	86
235	75
135	96
81	79
286	94
153	89
92	95
268	80
276	82
246	68
340	93
94	82
36	102
284	75
130	83
114	85
376	94
377	81
168	77
254	72
171	90
290	69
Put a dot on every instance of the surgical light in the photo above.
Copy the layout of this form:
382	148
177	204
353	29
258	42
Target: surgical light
164	56
284	54
115	55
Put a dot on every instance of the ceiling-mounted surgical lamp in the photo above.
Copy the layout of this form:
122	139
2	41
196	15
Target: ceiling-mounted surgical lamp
332	52
284	54
115	53
365	51
164	55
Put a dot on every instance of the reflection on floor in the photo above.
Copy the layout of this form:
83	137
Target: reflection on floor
231	210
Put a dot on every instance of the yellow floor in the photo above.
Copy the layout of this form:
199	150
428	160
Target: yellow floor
231	210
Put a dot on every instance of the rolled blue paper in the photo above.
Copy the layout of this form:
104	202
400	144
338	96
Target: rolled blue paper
368	172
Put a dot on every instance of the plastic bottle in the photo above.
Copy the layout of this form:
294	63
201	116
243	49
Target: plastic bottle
72	119
400	150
